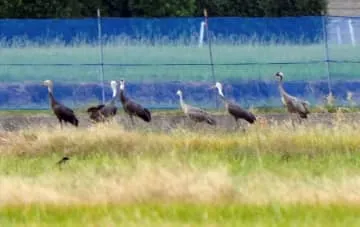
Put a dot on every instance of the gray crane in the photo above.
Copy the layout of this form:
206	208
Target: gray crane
293	104
62	112
132	108
194	113
234	109
103	112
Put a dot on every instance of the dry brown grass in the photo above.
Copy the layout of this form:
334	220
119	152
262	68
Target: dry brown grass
263	137
146	183
160	168
154	184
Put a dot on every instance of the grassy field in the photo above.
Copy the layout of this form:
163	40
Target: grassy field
271	175
170	112
140	53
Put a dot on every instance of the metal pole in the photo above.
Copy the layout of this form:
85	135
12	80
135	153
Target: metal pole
325	37
210	53
101	55
351	31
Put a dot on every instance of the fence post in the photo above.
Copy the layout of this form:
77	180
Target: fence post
351	31
210	54
101	55
201	33
338	34
326	52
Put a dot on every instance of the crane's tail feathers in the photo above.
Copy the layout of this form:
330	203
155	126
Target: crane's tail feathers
303	115
251	118
145	115
94	108
148	114
211	120
75	122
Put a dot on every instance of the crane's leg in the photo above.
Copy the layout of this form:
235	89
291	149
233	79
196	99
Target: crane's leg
299	120
194	125
61	123
237	126
292	119
132	120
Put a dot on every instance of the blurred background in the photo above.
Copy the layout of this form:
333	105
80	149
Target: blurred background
161	46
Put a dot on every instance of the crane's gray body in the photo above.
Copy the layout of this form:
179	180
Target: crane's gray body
292	104
194	113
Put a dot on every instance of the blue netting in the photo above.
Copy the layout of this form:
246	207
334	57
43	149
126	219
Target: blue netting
159	56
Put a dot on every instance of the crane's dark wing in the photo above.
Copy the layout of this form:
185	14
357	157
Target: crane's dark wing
198	114
66	114
100	112
95	108
136	109
108	110
238	112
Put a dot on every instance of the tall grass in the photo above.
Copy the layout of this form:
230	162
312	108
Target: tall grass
122	51
267	164
273	174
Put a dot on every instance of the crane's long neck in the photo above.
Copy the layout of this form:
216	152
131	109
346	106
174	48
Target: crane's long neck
281	88
221	94
122	96
114	95
51	97
182	104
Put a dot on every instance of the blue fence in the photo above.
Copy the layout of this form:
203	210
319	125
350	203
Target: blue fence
158	56
291	29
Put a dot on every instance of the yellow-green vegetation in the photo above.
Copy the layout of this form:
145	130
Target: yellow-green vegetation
271	175
308	61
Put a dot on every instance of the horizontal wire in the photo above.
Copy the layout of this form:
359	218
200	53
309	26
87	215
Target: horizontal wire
180	64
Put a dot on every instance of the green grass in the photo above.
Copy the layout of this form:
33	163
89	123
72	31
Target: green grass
182	215
122	53
271	175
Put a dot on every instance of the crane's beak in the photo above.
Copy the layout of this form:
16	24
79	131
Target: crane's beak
212	87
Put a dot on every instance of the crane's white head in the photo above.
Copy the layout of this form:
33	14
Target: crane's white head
280	75
179	93
122	84
49	84
219	86
113	85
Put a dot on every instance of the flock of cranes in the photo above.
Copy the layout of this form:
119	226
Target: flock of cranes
103	112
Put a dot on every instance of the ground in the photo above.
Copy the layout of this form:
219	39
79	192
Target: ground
163	121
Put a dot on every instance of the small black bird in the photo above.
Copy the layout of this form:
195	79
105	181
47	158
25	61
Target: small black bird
63	160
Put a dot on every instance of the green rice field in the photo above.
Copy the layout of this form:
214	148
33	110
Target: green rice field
151	57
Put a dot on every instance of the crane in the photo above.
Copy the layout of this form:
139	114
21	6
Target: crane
234	109
132	108
62	112
293	104
194	113
102	112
